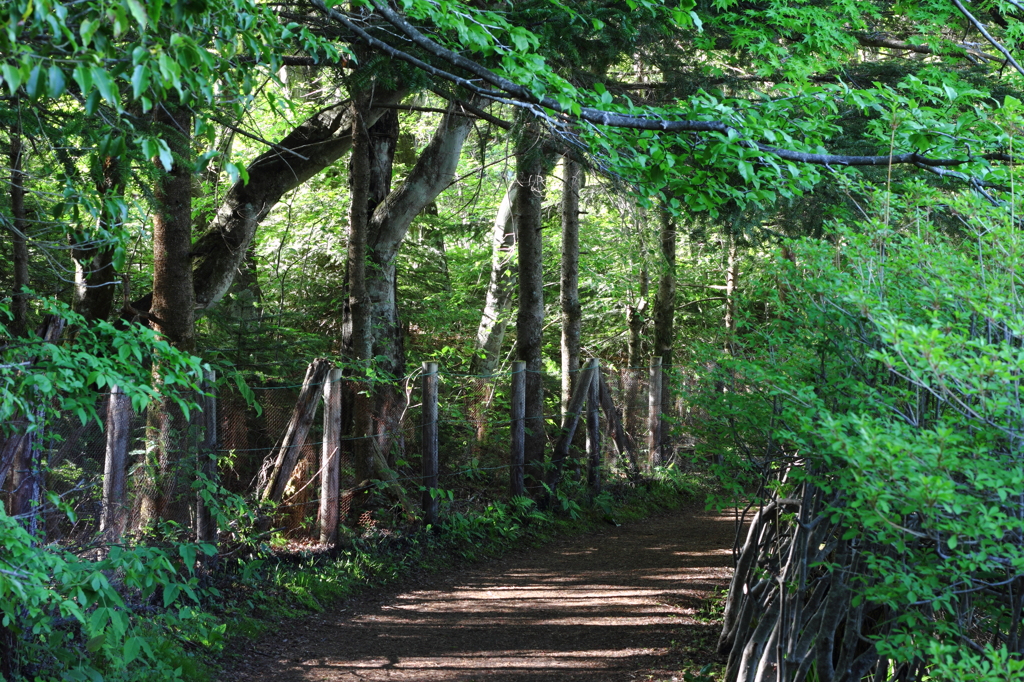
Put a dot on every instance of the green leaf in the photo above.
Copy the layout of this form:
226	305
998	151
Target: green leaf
952	542
746	170
139	12
83	76
56	83
92	102
131	649
139	80
95	643
171	592
87	30
104	85
12	76
166	158
32	85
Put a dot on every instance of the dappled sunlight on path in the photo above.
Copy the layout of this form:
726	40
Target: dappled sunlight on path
599	607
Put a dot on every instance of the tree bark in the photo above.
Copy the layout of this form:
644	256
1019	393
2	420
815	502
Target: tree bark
493	322
570	292
732	276
530	170
19	242
388	227
357	327
172	311
95	278
118	420
664	316
317	143
330	459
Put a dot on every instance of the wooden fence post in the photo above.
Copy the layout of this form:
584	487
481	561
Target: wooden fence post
517	453
654	415
429	443
623	443
287	454
330	462
118	420
206	525
569	422
594	431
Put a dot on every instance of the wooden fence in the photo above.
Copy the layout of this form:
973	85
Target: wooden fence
307	468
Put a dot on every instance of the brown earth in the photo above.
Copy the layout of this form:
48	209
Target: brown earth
614	605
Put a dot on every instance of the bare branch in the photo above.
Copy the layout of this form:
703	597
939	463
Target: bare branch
988	36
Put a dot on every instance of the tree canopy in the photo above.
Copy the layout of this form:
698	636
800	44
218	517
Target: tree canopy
807	212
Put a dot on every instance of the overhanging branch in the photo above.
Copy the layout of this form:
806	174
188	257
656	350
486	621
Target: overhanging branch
503	90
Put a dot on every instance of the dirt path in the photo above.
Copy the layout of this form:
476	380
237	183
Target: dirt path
603	607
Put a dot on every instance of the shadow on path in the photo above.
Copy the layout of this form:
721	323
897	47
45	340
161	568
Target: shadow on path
589	609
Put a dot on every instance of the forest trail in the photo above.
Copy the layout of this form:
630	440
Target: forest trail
618	604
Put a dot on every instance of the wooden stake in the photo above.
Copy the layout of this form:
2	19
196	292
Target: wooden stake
654	415
112	518
623	444
516	486
287	454
594	431
330	466
429	443
206	525
569	422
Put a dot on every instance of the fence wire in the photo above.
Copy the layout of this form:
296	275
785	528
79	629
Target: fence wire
474	436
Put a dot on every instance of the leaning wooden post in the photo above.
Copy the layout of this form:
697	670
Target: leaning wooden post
623	443
287	453
206	525
517	453
594	431
330	466
569	422
112	518
654	415
429	443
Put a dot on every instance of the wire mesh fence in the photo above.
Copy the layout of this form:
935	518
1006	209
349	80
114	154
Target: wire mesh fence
473	435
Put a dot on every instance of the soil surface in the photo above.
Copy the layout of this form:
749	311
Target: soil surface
614	605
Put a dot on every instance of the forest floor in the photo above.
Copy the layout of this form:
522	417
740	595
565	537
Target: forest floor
634	602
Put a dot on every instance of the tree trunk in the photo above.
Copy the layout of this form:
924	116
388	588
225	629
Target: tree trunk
493	321
732	276
570	294
530	170
314	145
373	276
172	314
490	333
388	226
357	327
19	242
118	422
664	318
95	278
28	468
385	330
